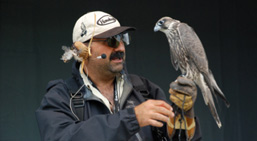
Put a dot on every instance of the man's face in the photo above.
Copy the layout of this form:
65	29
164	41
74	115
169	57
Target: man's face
115	57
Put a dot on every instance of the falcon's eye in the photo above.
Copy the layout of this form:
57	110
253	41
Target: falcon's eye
160	22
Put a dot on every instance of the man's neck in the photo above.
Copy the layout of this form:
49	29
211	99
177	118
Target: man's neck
102	80
104	83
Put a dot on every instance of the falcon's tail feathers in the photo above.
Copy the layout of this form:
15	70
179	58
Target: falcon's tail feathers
208	98
215	90
214	113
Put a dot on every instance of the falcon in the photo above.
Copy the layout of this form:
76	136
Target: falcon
188	55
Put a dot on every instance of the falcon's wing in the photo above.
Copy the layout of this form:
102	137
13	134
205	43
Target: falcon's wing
197	55
193	46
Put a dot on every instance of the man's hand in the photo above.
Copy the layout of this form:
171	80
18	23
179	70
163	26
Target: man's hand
153	112
183	94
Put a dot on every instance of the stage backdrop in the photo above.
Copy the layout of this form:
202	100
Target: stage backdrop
33	32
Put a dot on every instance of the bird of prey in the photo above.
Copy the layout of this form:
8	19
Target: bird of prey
188	55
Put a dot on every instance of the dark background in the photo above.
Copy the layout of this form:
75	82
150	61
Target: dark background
33	31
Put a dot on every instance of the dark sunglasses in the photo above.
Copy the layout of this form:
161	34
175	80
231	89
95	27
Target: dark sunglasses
114	41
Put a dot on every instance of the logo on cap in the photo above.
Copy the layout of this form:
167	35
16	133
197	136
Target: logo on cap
105	20
83	29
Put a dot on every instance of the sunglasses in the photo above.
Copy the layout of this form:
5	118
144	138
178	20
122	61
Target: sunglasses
114	41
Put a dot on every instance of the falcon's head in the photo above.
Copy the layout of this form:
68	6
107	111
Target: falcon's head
165	23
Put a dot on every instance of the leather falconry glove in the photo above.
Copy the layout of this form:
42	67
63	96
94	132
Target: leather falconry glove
183	93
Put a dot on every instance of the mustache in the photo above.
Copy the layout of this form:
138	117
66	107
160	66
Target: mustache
118	55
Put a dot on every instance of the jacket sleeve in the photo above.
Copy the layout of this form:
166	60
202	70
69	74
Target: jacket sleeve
57	123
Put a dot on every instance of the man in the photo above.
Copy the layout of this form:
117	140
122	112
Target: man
101	101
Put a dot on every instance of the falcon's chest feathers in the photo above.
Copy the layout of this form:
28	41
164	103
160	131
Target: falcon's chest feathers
179	54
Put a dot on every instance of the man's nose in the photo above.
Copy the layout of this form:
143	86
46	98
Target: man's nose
121	47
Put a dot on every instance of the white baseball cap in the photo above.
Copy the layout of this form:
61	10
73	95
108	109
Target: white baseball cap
106	26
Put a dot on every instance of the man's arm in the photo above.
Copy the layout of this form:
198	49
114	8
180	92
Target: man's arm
56	121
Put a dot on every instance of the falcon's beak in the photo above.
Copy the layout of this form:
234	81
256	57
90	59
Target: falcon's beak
157	28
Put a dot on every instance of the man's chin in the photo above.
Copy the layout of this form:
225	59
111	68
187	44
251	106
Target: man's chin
117	69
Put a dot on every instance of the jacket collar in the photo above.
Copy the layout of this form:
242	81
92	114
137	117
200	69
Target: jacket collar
127	86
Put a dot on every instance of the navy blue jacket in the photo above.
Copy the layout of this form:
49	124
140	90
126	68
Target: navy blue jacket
57	122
